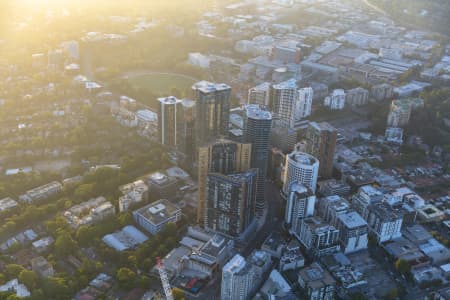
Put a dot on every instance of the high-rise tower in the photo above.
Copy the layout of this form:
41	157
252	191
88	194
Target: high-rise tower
170	121
223	157
212	110
230	202
257	125
321	143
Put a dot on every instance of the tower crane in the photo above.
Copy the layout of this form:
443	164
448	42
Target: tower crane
164	279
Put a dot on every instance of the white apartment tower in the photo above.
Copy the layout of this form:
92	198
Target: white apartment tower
283	99
336	101
300	204
301	168
304	102
237	279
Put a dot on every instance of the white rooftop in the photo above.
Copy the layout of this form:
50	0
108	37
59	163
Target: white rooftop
209	87
352	220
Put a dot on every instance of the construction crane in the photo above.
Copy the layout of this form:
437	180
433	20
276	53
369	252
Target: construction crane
164	279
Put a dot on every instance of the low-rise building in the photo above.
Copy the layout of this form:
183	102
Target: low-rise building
384	223
353	232
127	238
430	213
15	287
435	251
399	113
357	97
7	204
331	207
42	267
394	135
292	257
333	187
42	192
89	212
317	283
382	91
274	245
336	101
155	216
132	193
417	234
275	287
161	186
318	237
43	244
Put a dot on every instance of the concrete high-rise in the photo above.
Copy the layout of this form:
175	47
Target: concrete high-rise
301	168
188	130
304	103
230	204
221	156
299	205
257	125
238	279
321	143
318	237
242	277
283	99
170	121
259	94
212	110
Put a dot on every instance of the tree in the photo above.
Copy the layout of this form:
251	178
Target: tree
64	244
126	278
84	191
29	278
178	294
56	288
13	270
357	296
84	235
403	267
392	294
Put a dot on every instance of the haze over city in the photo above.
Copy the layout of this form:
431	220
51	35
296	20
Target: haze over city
224	149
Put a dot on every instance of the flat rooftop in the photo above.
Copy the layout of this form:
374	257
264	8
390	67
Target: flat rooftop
303	158
288	84
159	211
169	100
323	126
352	220
255	111
209	87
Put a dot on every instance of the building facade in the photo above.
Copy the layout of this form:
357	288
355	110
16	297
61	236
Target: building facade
230	206
300	168
257	126
221	156
212	110
155	216
357	97
317	283
321	143
384	223
304	103
170	121
300	204
318	237
259	94
237	279
283	99
336	101
353	232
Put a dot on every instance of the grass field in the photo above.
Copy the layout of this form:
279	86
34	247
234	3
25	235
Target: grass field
160	84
